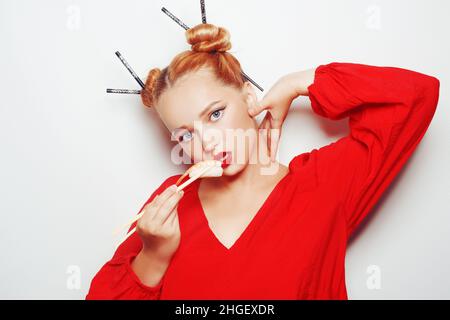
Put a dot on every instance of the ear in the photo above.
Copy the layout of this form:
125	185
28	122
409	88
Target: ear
249	95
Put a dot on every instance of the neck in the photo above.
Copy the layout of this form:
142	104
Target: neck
257	173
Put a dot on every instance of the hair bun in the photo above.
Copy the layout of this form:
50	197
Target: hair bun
150	83
206	37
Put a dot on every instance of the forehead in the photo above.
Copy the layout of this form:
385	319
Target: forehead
182	103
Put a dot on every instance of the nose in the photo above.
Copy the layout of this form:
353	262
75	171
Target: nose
209	144
211	137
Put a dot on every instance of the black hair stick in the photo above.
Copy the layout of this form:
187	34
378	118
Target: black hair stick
179	22
167	12
202	7
125	63
251	80
129	91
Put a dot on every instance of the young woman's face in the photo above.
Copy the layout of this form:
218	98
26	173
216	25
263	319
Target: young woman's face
206	118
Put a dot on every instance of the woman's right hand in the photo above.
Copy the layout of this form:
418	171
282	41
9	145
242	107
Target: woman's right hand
277	102
159	227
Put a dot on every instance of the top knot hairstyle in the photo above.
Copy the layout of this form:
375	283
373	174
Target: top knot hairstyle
209	44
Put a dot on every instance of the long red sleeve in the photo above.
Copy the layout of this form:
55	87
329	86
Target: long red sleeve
389	110
116	279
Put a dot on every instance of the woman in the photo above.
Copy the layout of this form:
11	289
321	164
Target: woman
255	234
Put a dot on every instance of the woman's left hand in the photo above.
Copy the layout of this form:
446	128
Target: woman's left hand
277	102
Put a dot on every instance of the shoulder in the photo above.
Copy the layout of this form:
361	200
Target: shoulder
302	161
329	162
318	163
327	155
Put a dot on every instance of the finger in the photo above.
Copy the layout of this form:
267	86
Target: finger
144	208
151	203
269	138
276	119
158	202
175	223
261	129
258	108
172	217
175	219
167	207
165	195
147	217
266	131
276	124
263	123
274	142
145	212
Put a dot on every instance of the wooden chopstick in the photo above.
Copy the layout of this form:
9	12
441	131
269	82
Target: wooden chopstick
190	180
126	237
129	223
180	187
138	216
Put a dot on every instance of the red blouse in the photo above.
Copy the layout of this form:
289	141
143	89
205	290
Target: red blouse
294	248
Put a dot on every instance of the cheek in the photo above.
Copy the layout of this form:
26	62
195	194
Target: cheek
234	119
194	150
237	117
239	132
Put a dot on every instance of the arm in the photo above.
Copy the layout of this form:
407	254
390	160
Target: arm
132	273
150	267
389	110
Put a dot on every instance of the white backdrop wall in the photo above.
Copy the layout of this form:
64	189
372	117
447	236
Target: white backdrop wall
77	162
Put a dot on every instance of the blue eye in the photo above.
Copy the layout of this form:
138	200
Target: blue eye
216	115
185	137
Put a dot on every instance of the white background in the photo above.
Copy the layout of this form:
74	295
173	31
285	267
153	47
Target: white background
77	162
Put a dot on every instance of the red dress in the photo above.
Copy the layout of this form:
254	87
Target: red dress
294	248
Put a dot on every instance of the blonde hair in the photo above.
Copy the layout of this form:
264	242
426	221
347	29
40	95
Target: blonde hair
209	44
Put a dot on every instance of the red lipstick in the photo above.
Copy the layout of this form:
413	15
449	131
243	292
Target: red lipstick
225	157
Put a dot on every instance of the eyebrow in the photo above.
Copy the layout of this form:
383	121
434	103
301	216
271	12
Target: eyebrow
201	115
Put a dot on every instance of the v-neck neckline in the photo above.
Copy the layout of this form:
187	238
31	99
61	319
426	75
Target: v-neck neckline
250	225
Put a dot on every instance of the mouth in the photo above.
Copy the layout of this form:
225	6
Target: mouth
224	157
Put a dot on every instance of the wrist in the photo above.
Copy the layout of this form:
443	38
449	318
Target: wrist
157	258
301	80
149	268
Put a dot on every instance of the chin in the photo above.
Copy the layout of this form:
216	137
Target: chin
233	169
